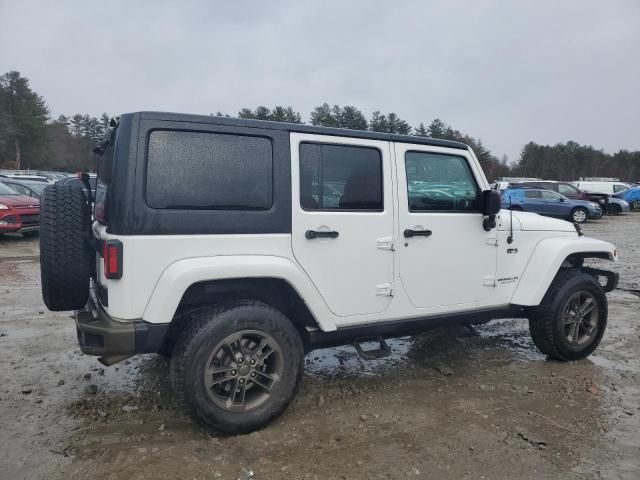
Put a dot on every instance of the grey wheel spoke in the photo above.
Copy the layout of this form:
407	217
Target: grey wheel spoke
219	370
587	306
575	331
257	352
260	378
232	395
241	392
242	385
219	380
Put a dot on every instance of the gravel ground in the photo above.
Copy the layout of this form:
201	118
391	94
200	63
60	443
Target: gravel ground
476	402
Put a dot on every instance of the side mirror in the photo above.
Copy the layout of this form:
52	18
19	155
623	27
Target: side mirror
491	202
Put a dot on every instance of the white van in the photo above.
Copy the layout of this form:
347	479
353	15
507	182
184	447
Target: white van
601	187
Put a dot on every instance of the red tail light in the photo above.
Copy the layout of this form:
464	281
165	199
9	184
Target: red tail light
112	257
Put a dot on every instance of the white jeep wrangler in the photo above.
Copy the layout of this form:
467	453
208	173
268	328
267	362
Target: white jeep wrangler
235	246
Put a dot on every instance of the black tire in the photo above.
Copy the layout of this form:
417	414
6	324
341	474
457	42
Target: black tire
548	322
200	340
65	258
614	209
579	215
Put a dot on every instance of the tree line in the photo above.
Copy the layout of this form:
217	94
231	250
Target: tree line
30	138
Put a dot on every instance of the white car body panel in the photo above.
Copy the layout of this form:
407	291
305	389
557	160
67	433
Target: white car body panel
600	187
372	273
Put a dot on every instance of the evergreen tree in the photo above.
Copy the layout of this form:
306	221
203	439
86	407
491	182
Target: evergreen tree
437	129
291	116
262	113
351	117
23	115
324	116
246	113
76	124
378	122
421	131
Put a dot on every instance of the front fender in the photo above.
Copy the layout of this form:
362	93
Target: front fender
545	261
179	276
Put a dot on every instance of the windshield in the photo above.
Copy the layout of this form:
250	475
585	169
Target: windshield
5	190
37	187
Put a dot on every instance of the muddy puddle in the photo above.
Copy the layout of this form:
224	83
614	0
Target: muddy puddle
478	402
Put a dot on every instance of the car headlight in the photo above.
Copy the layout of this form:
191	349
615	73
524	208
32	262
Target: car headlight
594	205
3	207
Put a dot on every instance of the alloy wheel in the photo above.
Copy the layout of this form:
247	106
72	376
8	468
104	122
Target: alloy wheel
581	318
242	370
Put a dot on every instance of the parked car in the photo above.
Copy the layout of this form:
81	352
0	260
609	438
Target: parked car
75	180
608	187
563	188
566	189
31	188
549	203
631	196
18	213
616	206
33	178
234	246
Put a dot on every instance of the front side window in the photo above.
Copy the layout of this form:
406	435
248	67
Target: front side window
549	195
340	177
567	189
619	188
439	182
209	171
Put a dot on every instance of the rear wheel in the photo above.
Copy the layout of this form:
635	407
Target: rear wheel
579	215
65	256
572	318
237	367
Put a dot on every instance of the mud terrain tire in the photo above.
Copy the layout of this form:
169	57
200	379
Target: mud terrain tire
200	341
65	258
548	322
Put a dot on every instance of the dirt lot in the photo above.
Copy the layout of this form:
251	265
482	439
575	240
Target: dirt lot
460	403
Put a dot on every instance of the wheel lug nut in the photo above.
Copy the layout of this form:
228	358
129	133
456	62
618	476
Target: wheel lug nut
233	372
242	380
253	374
240	359
252	362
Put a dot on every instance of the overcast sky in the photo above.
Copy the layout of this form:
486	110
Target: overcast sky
505	71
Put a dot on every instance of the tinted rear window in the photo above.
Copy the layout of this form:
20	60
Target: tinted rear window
200	170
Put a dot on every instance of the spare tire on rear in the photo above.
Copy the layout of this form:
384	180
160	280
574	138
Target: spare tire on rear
65	256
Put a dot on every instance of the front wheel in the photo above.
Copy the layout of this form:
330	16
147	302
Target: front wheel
579	215
614	209
572	318
237	367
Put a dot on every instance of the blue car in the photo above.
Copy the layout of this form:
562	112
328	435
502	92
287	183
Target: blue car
549	203
631	196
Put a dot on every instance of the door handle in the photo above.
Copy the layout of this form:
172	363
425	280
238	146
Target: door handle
408	233
311	234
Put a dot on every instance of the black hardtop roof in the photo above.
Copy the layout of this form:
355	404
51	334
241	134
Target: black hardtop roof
301	128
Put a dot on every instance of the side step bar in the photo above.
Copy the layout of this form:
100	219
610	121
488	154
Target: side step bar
382	352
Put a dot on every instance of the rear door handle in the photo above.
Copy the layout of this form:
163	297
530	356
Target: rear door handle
311	234
408	233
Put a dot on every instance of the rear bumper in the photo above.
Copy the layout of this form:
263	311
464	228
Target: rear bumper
103	336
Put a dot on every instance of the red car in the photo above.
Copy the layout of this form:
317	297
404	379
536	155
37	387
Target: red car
18	213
